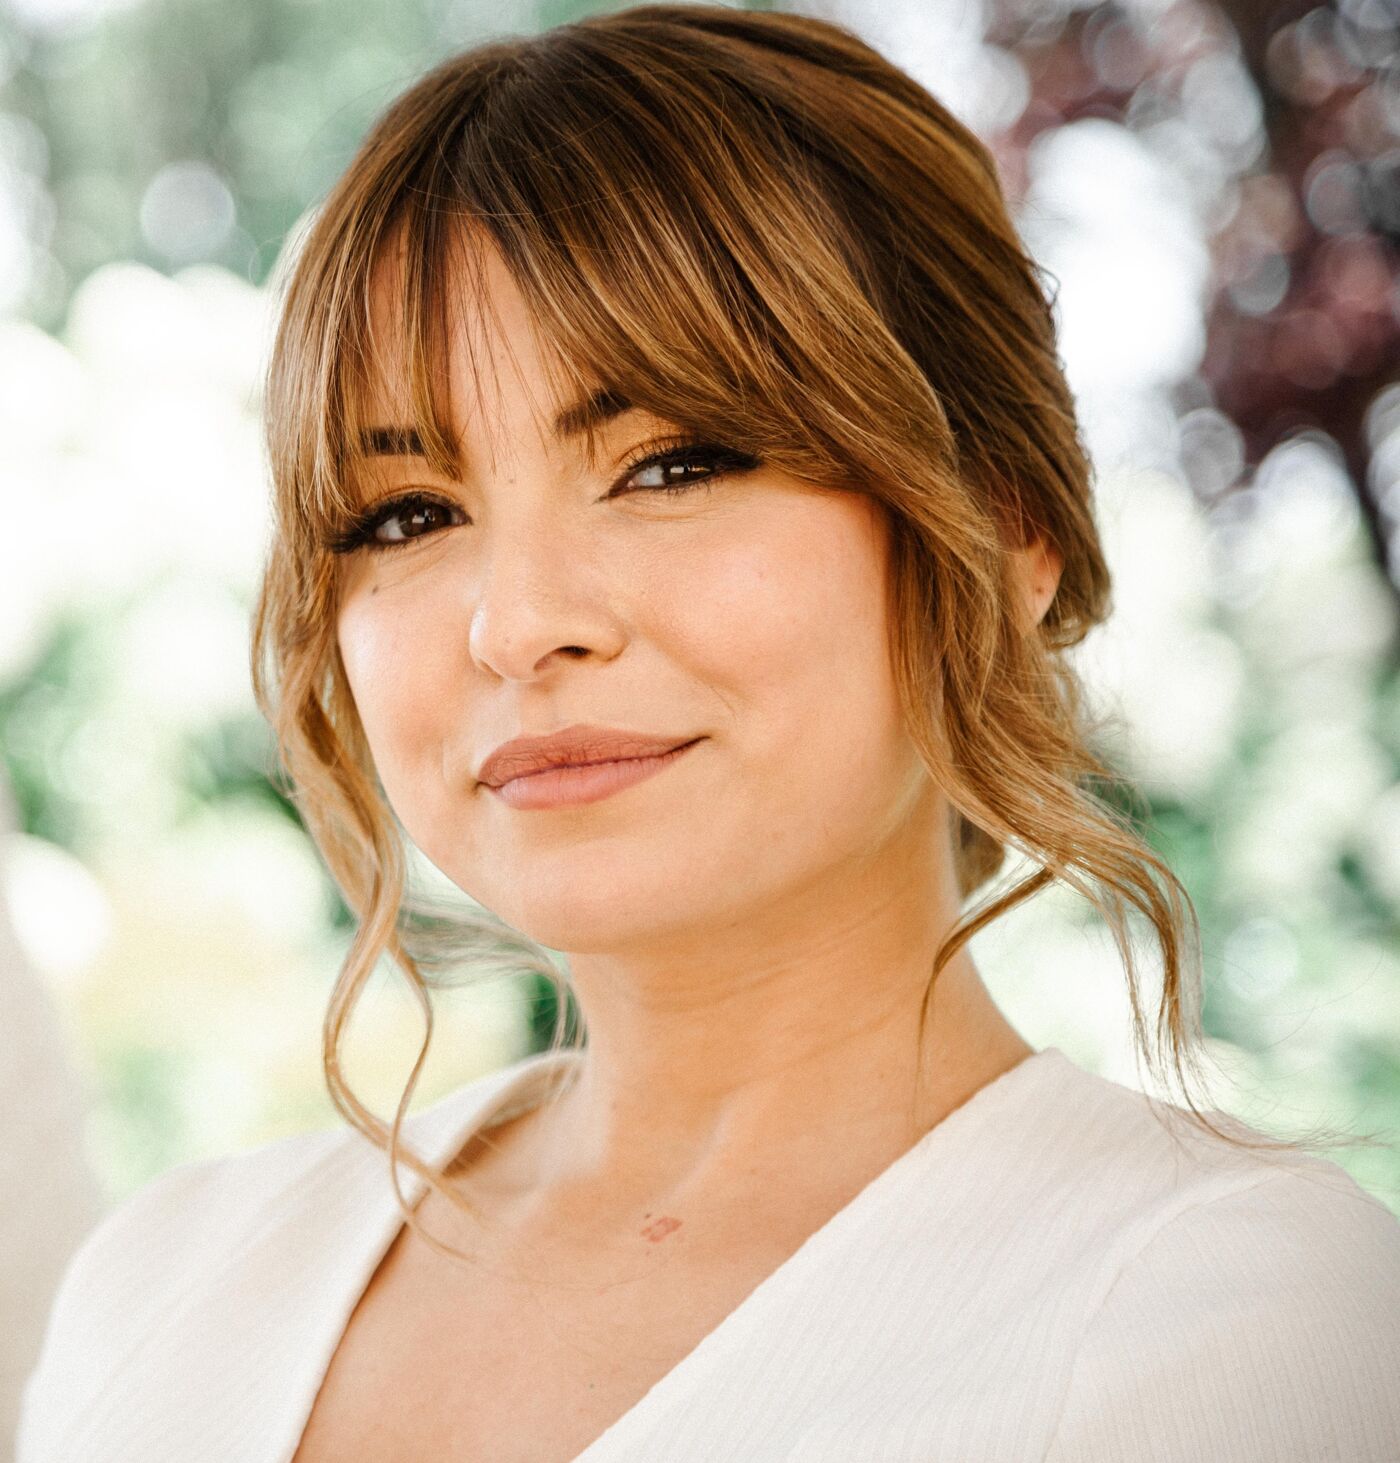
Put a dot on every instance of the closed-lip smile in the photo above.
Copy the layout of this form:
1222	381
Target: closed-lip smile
580	745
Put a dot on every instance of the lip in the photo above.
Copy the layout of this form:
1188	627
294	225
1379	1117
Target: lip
572	747
588	782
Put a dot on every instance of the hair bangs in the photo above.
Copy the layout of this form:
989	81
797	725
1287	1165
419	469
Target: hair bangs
644	272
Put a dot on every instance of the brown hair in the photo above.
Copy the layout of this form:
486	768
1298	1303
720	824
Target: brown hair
751	224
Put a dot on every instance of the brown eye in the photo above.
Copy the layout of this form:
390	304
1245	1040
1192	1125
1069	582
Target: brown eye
412	519
673	468
399	521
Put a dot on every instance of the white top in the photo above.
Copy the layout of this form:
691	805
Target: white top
1043	1275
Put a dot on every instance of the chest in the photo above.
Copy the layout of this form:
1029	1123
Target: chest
447	1364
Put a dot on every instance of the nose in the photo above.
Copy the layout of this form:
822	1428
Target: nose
540	599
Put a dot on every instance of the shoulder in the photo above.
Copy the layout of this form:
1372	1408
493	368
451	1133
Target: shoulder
142	1252
192	1210
199	1242
1136	1163
1253	1314
198	1205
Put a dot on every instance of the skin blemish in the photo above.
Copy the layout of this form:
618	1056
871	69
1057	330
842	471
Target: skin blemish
658	1229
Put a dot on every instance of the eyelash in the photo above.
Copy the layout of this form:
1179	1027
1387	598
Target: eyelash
682	451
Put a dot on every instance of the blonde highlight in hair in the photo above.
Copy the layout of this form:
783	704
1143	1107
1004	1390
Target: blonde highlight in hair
748	223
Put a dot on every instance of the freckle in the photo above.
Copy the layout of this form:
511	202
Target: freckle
658	1229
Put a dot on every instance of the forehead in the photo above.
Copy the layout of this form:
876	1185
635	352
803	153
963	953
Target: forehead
475	325
492	376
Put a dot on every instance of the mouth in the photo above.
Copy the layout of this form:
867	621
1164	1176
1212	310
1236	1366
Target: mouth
574	784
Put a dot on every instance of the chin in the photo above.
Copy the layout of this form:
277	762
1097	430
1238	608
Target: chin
600	920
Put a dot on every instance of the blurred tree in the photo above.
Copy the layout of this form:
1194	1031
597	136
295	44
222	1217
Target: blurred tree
1300	106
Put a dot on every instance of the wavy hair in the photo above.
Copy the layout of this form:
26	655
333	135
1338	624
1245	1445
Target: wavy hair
751	224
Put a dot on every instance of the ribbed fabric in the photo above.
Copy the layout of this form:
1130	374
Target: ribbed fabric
1060	1270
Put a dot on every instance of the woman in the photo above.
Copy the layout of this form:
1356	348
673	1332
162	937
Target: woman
681	521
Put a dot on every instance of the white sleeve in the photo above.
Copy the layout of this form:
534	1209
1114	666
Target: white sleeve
1261	1327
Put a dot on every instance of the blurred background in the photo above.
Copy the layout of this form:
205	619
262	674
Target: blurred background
1216	192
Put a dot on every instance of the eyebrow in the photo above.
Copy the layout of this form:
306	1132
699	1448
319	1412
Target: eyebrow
586	415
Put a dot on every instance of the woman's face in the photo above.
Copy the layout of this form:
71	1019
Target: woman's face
544	590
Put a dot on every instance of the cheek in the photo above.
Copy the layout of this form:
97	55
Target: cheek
395	673
794	593
787	626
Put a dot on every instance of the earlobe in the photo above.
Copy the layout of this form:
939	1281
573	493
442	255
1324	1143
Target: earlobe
1039	566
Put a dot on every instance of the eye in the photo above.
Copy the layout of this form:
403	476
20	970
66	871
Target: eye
412	516
663	461
401	520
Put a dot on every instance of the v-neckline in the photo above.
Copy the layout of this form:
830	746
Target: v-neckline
524	1087
808	1253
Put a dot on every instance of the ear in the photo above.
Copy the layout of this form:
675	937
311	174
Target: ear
1036	570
